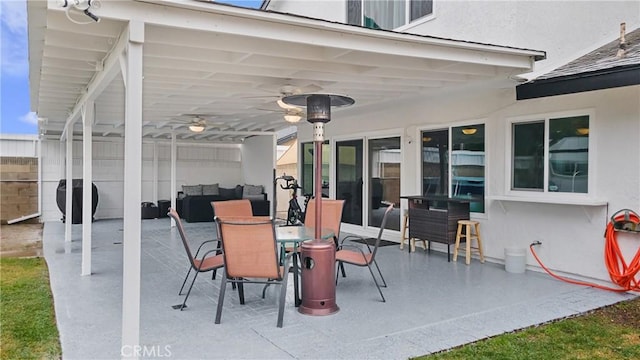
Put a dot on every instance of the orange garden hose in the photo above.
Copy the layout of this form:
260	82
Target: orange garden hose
621	273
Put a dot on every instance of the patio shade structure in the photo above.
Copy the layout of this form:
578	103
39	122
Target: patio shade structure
148	63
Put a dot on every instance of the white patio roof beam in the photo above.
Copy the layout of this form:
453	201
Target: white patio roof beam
241	22
111	68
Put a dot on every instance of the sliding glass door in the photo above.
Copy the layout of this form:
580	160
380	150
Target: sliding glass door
306	178
349	175
385	157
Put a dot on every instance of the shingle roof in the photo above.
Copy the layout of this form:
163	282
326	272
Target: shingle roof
601	58
598	70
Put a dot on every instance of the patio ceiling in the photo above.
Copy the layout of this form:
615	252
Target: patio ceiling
229	65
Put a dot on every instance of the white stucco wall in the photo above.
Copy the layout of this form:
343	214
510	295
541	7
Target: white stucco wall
332	10
564	29
259	162
572	235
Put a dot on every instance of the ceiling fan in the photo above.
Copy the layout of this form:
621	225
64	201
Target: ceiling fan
292	113
196	123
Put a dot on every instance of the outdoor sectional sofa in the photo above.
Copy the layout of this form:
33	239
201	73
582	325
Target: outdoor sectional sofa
194	201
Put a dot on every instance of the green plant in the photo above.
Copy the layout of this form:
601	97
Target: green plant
609	333
27	316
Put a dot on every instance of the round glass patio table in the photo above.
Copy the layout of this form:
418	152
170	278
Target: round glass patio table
294	236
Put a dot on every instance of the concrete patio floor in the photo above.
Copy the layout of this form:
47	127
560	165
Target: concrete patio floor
432	304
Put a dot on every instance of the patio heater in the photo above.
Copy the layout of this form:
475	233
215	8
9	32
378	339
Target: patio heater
318	256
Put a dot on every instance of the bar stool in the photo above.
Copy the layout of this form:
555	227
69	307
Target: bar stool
411	242
469	235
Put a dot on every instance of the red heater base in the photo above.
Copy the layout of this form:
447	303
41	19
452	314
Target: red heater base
318	259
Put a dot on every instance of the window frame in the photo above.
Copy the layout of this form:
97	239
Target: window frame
449	127
408	23
545	193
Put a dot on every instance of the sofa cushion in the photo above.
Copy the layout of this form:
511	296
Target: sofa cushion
251	190
227	194
211	189
253	197
192	190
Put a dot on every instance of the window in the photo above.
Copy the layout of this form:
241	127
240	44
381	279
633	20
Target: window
455	165
551	155
386	14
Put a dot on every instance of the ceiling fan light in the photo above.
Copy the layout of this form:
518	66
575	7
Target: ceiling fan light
196	128
285	106
292	118
469	131
582	131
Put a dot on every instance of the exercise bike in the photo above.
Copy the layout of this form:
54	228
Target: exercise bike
295	214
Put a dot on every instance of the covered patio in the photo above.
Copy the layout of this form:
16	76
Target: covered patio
150	69
432	304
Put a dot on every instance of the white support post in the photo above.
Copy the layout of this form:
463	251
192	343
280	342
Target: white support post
69	192
155	172
174	156
87	180
132	188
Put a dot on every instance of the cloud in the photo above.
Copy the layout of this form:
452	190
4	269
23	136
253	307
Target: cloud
30	118
13	18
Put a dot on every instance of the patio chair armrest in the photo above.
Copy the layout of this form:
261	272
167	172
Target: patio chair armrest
352	247
356	237
215	251
204	242
351	238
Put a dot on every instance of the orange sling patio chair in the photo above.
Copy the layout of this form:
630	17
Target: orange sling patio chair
207	261
355	255
250	254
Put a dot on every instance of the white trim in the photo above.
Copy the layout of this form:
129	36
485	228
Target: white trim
419	21
88	113
545	195
68	193
132	182
449	126
99	83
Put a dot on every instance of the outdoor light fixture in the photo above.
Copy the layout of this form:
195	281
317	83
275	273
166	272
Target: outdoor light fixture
582	131
292	118
469	131
196	128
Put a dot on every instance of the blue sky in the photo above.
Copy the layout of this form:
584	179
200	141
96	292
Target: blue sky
15	115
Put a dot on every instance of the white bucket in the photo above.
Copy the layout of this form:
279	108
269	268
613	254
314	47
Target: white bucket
515	260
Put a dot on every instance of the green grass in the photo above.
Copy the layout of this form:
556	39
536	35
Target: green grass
610	333
27	319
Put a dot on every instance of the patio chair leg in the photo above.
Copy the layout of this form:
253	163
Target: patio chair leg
213	277
241	292
384	283
376	282
189	292
283	295
338	272
185	281
341	266
223	286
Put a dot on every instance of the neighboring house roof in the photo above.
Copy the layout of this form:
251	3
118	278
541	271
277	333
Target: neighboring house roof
597	70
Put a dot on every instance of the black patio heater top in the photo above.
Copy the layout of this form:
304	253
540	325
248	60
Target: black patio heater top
318	113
